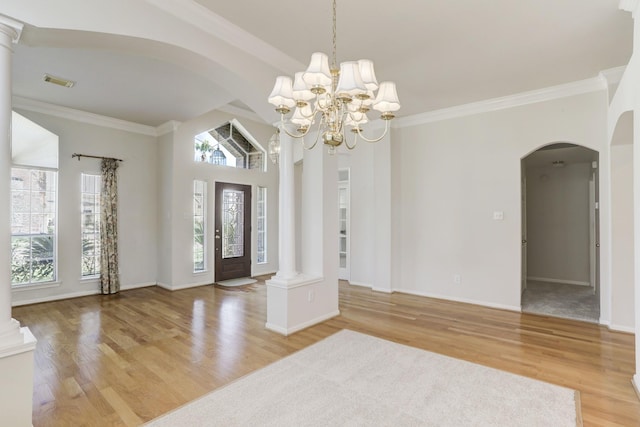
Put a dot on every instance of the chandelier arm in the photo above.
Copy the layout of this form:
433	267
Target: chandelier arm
386	129
355	141
293	135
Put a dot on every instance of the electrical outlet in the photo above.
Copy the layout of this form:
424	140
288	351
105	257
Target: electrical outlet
457	279
310	296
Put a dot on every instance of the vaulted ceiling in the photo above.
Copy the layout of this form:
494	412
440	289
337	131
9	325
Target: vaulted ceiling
150	61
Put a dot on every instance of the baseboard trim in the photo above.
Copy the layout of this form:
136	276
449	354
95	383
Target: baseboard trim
457	299
137	286
304	325
363	285
55	297
635	381
180	287
373	288
620	328
562	281
79	294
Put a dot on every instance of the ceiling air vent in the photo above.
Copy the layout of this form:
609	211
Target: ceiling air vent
58	81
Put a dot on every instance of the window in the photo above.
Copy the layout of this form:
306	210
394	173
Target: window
199	225
33	226
90	221
262	225
229	144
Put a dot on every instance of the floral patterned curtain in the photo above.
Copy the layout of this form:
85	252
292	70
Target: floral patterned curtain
109	280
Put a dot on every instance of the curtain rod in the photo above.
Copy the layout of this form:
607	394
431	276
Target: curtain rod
94	157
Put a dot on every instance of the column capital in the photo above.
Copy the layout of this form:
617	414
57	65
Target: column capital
11	27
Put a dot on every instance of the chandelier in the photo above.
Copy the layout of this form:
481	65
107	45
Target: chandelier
333	98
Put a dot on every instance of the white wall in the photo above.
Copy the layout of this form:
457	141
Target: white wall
622	225
558	223
453	174
137	213
165	198
178	206
370	190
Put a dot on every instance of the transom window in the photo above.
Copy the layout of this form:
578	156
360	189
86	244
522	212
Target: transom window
229	145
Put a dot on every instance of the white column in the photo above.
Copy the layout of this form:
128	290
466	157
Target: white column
9	329
286	220
299	300
16	344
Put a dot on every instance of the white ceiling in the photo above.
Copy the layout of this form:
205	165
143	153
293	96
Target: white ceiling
440	53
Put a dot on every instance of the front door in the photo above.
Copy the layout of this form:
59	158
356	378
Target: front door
232	231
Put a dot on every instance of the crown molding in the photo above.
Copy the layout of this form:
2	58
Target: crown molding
613	75
11	27
629	6
168	127
525	98
81	116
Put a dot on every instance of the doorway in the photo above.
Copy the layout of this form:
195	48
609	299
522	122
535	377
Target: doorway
344	263
560	229
232	231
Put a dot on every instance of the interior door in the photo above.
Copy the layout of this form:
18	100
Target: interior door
343	237
232	231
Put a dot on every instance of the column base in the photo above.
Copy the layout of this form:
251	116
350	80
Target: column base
16	376
299	302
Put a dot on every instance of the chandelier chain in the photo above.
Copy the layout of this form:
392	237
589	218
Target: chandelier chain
333	60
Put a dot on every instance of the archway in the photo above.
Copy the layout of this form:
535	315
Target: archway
560	227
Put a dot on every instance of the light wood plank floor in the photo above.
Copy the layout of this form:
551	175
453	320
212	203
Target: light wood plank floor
126	359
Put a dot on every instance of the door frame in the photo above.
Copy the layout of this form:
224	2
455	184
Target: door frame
233	267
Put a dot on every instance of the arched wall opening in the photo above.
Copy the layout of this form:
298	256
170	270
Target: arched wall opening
560	232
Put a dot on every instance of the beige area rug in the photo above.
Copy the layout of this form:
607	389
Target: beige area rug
358	380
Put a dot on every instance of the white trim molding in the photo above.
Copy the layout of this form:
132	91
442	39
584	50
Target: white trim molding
81	116
613	75
540	95
13	28
301	326
167	127
629	6
464	300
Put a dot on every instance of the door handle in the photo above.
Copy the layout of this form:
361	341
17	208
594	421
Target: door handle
524	241
597	245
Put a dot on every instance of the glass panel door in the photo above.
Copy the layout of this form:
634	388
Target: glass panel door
343	225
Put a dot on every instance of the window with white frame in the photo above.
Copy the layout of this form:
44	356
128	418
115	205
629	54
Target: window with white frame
90	220
33	225
261	209
199	225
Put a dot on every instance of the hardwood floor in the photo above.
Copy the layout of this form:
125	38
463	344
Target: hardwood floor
126	359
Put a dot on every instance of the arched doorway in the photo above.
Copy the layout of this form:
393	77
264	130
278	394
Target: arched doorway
560	229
